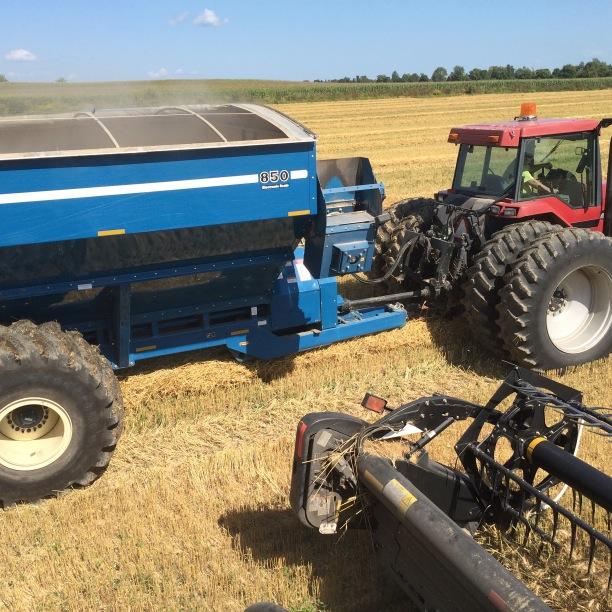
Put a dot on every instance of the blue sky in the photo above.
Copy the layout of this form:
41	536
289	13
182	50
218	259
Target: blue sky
89	40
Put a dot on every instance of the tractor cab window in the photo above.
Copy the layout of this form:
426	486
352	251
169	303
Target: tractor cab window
490	171
559	165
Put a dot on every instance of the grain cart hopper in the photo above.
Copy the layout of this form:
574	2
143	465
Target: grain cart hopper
155	231
514	462
518	241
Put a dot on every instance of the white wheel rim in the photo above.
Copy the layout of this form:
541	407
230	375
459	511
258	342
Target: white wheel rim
580	310
34	432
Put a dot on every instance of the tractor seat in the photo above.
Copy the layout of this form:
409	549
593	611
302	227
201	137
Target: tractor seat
573	190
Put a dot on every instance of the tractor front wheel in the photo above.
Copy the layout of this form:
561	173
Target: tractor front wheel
556	306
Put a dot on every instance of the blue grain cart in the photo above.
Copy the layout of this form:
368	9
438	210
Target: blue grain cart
156	231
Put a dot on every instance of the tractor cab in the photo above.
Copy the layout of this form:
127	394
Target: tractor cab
533	168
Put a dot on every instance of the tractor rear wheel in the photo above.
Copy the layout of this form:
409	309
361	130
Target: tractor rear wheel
556	305
485	277
414	214
60	412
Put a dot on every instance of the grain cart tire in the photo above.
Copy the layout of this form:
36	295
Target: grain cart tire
485	277
415	214
556	305
60	412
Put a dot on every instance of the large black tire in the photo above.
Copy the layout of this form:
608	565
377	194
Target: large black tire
46	376
566	273
485	278
414	214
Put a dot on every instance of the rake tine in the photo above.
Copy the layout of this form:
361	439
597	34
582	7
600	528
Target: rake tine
538	512
572	541
523	519
527	533
592	512
541	547
506	489
573	499
481	522
523	496
496	479
555	525
579	502
481	474
592	545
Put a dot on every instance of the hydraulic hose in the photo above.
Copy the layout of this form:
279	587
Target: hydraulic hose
391	270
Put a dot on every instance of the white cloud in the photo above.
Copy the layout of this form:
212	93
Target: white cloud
179	71
209	19
20	55
179	18
159	74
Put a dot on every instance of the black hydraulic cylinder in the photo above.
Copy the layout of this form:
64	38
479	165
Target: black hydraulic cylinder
583	477
435	562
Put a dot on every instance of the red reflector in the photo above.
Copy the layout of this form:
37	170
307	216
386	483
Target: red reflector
299	439
374	403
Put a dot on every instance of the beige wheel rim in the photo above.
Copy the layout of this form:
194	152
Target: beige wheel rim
34	432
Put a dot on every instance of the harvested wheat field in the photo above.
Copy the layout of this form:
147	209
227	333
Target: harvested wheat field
193	512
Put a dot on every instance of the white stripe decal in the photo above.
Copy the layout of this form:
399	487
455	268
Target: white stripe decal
136	188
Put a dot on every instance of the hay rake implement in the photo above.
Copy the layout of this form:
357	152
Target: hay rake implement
517	461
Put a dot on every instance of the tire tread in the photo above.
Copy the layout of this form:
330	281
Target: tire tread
23	343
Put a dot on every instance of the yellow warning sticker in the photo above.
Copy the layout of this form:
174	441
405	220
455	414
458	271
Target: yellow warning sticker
240	332
298	213
111	232
399	495
142	349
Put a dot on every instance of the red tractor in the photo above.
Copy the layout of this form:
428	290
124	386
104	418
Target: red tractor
519	238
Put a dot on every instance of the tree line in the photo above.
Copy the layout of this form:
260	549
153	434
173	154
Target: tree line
584	70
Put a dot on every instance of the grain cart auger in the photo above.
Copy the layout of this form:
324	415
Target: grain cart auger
133	234
517	457
519	240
